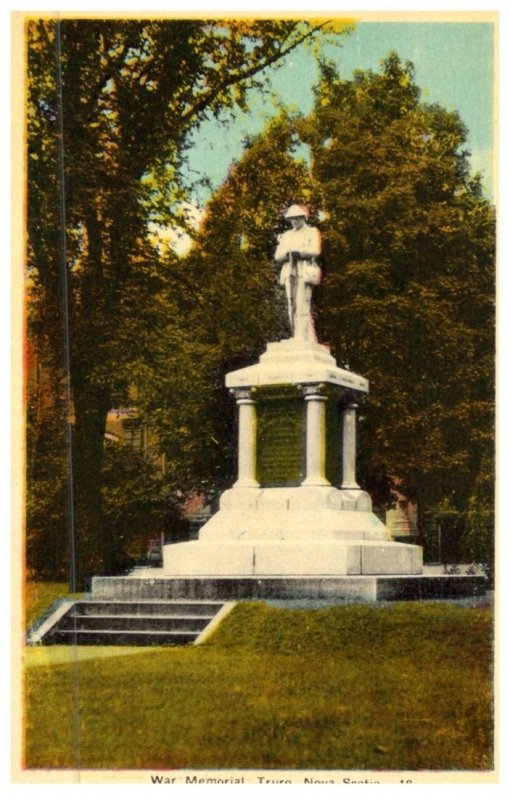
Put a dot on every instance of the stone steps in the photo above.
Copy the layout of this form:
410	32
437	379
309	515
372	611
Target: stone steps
120	622
125	622
150	607
139	638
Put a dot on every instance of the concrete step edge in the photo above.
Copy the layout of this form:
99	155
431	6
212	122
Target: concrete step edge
109	632
182	601
201	617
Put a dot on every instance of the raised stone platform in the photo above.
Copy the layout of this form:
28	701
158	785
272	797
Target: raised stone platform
153	584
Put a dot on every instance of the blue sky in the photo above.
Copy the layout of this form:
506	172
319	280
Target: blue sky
454	66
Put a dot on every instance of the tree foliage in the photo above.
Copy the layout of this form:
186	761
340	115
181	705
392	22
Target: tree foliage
110	104
409	295
408	292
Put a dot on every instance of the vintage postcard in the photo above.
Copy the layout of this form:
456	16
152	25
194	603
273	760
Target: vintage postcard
255	341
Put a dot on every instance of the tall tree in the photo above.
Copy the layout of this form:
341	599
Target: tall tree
408	292
110	104
409	295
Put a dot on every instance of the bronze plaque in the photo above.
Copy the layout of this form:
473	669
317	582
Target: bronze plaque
280	442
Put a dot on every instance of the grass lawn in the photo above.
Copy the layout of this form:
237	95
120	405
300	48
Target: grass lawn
40	596
404	687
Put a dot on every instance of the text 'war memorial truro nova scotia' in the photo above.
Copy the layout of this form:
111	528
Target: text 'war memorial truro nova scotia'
295	526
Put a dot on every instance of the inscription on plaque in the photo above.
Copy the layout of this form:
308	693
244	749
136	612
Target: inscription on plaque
280	442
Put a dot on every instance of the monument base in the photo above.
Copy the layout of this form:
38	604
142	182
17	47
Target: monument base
313	530
314	513
288	557
150	584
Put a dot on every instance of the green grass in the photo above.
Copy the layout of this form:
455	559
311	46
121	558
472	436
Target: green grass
40	596
403	687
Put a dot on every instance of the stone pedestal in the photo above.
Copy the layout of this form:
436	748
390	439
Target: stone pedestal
296	508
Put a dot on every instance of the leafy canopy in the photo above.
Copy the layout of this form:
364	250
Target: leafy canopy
407	297
110	105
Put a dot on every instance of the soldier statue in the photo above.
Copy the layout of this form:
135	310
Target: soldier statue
297	250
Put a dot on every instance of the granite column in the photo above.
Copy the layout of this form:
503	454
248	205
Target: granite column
315	437
247	441
349	447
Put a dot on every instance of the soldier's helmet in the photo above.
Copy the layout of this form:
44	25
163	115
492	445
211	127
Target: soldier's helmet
296	211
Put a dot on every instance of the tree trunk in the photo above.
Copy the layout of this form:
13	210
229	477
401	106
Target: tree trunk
90	553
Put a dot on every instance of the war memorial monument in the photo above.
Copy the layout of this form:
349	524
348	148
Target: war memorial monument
296	508
295	526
